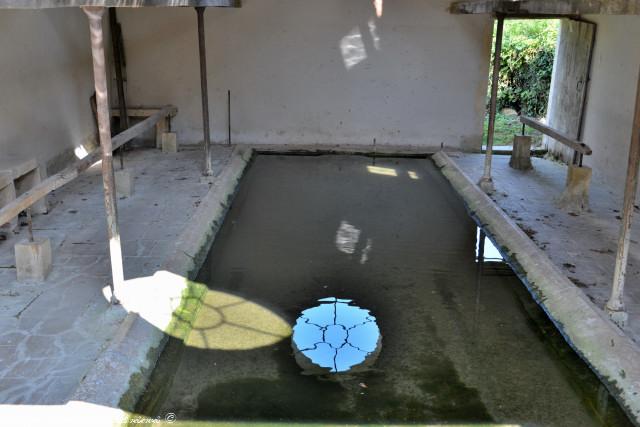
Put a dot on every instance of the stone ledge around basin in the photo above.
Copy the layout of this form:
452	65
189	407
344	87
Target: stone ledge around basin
119	376
611	354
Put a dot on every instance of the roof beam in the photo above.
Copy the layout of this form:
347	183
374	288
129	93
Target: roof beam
547	7
46	4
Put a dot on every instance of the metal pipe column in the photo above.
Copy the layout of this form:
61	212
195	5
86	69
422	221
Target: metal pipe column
205	92
486	183
102	100
615	306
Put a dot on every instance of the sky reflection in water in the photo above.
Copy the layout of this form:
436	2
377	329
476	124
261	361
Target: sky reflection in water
336	335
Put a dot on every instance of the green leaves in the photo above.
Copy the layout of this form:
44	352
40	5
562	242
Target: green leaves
527	65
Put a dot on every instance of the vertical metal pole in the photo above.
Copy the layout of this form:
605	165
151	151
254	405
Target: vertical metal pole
30	224
100	78
615	306
229	115
486	183
205	91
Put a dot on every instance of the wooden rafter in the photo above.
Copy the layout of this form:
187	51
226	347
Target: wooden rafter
547	7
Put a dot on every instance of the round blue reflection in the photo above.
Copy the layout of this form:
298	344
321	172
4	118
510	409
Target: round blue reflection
335	337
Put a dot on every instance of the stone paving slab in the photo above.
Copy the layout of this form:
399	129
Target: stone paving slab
583	246
51	333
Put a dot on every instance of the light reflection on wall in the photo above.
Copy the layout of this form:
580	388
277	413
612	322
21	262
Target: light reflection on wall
379	5
352	49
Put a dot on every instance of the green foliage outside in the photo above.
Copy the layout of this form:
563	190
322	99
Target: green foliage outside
528	50
508	125
527	65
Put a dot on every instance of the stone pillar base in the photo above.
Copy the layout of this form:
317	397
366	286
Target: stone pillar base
521	154
169	142
575	198
619	317
124	183
486	185
33	260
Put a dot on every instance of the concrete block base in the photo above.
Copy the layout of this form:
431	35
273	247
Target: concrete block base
124	183
521	154
575	198
169	142
33	260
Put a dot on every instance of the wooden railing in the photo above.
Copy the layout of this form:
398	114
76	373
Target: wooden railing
578	147
56	181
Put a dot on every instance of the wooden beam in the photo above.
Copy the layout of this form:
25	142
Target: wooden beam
204	90
96	31
547	7
69	174
144	111
46	4
558	136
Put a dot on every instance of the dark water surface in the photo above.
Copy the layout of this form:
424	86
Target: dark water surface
457	342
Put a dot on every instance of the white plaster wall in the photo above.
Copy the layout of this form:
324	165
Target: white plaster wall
611	97
317	71
45	83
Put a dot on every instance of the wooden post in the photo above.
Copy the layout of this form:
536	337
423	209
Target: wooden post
615	306
116	42
205	91
521	153
486	183
95	14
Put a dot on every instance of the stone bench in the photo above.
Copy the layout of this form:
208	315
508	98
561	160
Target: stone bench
162	127
17	176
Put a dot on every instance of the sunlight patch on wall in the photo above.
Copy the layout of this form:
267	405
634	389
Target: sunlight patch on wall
80	152
352	48
373	30
379	5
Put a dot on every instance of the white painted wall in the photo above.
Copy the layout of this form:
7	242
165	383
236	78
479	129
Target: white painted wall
45	83
317	71
611	98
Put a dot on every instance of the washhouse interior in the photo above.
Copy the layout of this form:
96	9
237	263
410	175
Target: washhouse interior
408	212
349	289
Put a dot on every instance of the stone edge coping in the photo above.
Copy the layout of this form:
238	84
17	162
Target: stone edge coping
129	359
611	354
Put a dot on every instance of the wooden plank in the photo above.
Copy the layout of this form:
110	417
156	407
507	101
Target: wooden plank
558	136
47	4
69	174
141	111
547	7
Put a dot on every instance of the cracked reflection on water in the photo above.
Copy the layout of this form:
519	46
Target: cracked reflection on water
336	337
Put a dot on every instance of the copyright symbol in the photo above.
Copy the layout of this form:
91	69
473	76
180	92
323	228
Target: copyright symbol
170	417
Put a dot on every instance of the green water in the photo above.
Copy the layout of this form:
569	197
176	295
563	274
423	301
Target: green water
460	344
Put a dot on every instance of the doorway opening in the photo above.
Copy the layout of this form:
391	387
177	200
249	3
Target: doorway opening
528	55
